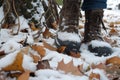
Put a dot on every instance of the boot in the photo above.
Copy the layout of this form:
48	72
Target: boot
68	28
92	34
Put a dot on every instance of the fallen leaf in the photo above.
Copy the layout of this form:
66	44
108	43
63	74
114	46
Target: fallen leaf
117	22
12	75
113	32
32	26
68	68
114	60
99	66
48	46
54	25
111	24
2	53
44	64
35	58
24	30
94	76
113	69
74	54
61	49
40	49
47	33
24	76
17	63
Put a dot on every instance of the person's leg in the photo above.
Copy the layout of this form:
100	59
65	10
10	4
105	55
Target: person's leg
93	20
68	28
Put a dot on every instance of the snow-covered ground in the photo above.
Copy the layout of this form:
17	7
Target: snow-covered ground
11	45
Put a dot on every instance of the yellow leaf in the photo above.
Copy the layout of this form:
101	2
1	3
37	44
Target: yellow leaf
24	76
17	64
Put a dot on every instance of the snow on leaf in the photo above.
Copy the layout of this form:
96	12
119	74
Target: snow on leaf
36	58
48	46
40	49
69	68
16	65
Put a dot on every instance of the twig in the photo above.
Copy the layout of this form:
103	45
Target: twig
17	17
6	12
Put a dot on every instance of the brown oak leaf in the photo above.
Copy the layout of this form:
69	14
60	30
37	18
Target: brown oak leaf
69	68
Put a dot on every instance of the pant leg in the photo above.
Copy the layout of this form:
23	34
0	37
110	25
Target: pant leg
94	4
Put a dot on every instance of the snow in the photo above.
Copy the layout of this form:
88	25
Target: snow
65	36
11	46
28	63
55	75
96	43
8	59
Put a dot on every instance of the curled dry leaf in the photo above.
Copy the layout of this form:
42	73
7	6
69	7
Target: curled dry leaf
44	64
69	68
94	76
114	60
39	49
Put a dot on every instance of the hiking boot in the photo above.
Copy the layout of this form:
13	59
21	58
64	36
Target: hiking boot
92	34
68	28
